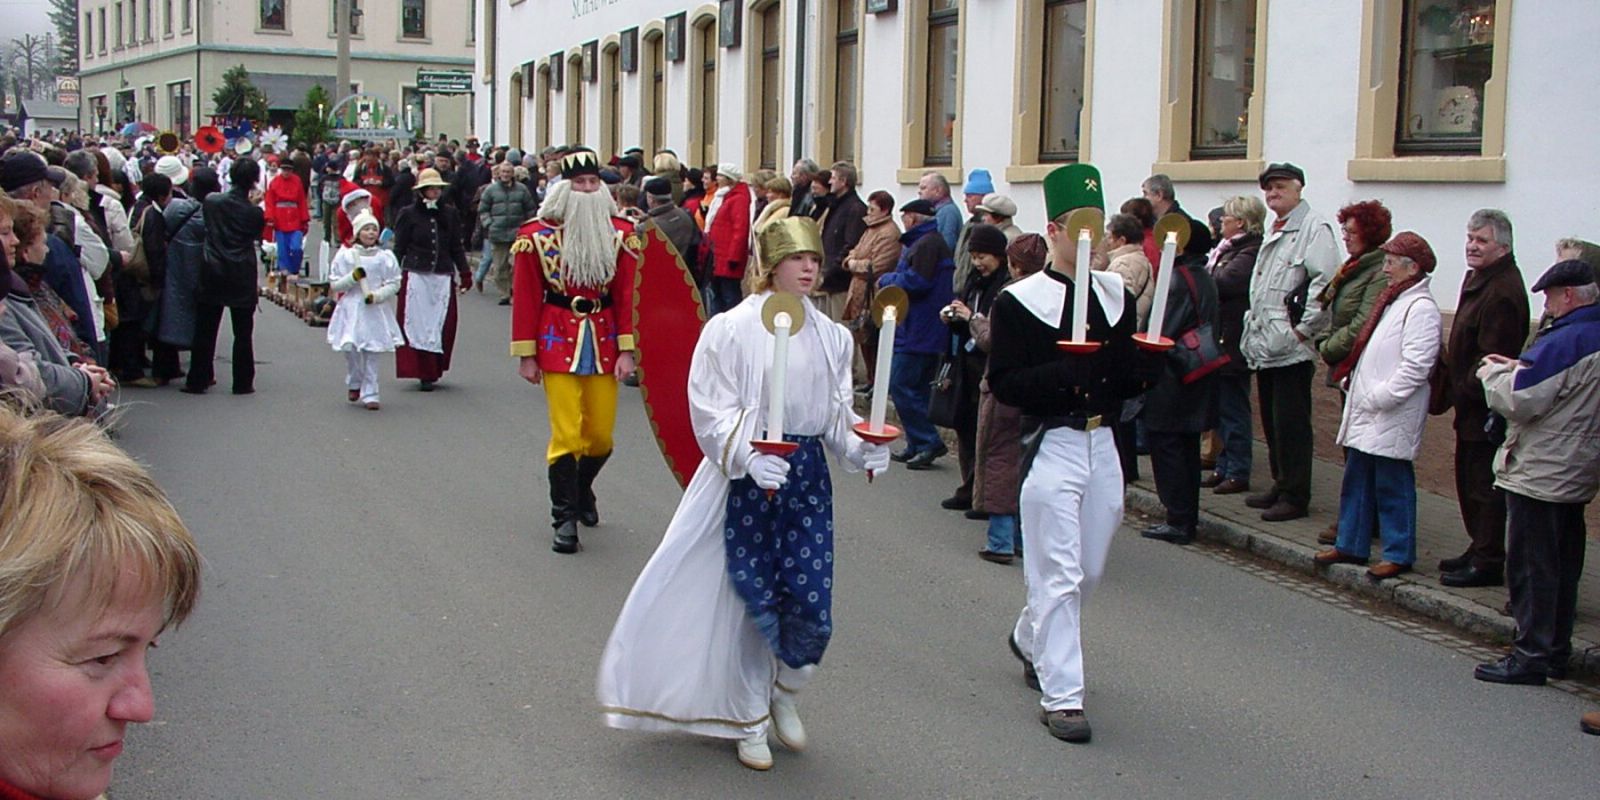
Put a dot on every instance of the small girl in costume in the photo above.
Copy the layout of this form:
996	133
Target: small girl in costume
365	278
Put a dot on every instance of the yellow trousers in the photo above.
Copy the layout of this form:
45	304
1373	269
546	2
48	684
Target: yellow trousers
583	410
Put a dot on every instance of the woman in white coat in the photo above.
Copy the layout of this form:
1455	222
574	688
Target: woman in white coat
365	277
731	615
1386	377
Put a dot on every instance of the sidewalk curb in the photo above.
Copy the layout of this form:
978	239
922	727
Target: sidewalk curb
1404	592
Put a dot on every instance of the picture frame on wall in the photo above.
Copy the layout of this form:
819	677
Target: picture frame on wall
881	6
674	37
558	70
591	61
630	50
730	22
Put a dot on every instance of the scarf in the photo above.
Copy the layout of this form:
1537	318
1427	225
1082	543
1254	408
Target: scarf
716	204
1348	365
1351	266
1217	252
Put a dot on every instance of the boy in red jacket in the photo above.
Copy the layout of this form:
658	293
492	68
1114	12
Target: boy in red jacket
288	212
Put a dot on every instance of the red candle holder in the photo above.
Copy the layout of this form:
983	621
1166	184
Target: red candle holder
1077	348
1157	345
864	430
772	448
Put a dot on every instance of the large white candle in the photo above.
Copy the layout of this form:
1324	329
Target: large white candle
1080	290
1158	308
880	380
776	385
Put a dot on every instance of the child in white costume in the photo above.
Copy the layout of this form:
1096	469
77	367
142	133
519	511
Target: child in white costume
364	278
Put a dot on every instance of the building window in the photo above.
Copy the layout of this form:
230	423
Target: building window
769	49
575	84
102	31
653	82
178	102
121	32
1447	57
88	35
166	17
274	17
150	103
1065	40
611	102
1432	98
133	22
188	15
472	23
149	19
944	40
703	100
413	109
355	17
414	19
541	125
1224	78
845	76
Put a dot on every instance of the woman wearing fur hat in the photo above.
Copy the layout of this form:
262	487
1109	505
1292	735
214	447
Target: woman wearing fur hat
365	277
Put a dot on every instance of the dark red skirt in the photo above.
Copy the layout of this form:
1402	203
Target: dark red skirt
421	364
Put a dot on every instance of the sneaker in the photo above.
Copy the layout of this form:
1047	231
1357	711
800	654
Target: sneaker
754	752
1030	676
786	721
1068	725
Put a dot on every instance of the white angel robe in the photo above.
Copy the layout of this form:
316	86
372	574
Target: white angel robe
356	325
684	656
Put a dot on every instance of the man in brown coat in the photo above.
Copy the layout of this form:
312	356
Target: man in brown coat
1491	318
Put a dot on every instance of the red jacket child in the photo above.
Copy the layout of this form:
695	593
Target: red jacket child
287	206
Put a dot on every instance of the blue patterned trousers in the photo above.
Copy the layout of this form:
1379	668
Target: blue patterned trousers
780	555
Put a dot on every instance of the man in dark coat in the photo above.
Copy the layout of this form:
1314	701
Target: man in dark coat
924	272
1491	319
139	296
228	280
674	222
842	226
1175	413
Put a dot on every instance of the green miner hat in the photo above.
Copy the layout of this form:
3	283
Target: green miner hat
1073	186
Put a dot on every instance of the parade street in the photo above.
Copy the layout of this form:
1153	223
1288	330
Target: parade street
383	618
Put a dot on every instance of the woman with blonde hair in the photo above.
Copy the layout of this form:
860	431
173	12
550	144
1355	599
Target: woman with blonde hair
94	564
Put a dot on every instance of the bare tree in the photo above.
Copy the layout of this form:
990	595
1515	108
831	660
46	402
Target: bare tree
29	61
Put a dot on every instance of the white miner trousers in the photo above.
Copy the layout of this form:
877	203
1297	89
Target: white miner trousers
1071	507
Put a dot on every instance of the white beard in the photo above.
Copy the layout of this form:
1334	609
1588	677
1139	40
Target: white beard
588	240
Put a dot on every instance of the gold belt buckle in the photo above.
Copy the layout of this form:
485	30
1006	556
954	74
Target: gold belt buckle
1091	423
593	305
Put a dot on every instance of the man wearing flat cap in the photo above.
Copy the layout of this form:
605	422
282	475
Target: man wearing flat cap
1072	491
1549	469
572	329
925	273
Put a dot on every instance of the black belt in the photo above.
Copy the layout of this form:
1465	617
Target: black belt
1077	422
582	306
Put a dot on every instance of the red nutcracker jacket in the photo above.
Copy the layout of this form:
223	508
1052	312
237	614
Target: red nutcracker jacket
551	320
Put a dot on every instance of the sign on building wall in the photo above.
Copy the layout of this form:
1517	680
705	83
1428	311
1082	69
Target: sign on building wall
444	81
365	117
67	91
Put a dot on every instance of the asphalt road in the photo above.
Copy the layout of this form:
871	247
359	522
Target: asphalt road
383	618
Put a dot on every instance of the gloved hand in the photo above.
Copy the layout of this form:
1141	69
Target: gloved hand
370	299
869	456
358	273
768	471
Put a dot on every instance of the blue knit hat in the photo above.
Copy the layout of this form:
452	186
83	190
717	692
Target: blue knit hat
979	182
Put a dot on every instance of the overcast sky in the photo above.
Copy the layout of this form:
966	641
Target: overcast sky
26	16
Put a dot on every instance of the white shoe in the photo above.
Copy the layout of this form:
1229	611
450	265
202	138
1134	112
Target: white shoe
754	752
786	721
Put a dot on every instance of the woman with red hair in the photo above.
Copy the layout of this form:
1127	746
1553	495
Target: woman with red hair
1349	298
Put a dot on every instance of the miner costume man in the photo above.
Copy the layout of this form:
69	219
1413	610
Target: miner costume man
572	327
1071	499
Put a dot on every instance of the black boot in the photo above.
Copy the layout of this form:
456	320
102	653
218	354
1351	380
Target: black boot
588	468
564	492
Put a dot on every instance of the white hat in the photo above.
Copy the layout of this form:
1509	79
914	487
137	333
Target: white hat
729	171
114	158
998	205
171	167
362	220
354	195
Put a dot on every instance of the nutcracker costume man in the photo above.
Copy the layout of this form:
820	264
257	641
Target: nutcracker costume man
572	327
1071	500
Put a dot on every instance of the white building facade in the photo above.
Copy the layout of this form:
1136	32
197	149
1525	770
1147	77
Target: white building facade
1435	107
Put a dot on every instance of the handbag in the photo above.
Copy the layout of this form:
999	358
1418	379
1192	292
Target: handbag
1196	350
138	265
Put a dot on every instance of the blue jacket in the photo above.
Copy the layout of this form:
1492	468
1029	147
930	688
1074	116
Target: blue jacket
926	271
65	275
950	219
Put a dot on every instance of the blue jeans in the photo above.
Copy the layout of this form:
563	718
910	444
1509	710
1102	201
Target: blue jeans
1233	425
1378	494
722	294
910	384
291	250
1003	534
483	264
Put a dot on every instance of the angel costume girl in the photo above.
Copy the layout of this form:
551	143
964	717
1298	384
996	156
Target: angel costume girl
732	614
364	278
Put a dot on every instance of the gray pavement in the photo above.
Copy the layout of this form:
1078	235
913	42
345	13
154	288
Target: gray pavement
383	618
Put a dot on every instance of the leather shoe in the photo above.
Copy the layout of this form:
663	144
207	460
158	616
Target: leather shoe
1211	481
1283	511
566	538
902	456
1068	725
1509	670
1232	486
1030	676
1590	723
1472	576
1329	535
975	514
1456	564
1384	570
956	503
1169	533
996	558
1263	500
1333	555
925	459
